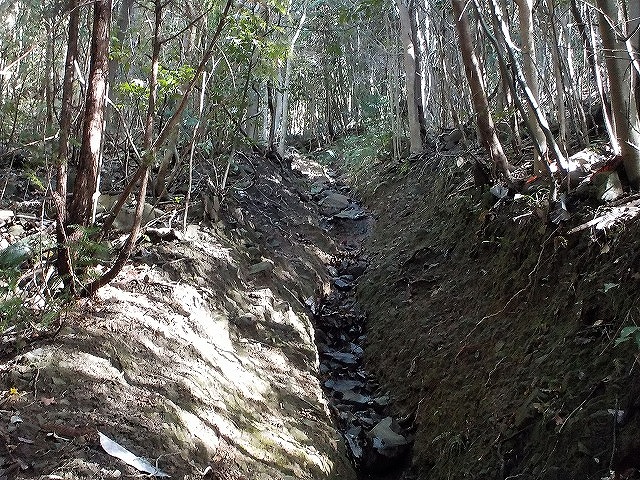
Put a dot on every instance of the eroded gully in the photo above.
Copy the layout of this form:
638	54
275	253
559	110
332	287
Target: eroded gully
378	443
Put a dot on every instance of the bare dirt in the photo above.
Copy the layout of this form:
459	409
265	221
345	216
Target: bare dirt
496	329
200	357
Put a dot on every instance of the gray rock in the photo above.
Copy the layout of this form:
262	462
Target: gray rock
345	358
343	283
351	213
384	437
343	385
354	442
333	203
264	266
356	399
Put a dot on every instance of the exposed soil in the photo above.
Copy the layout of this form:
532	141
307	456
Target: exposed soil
496	329
201	356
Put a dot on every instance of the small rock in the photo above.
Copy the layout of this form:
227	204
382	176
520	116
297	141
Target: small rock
382	401
333	203
16	231
166	234
345	358
383	436
356	399
343	283
354	269
367	418
351	213
343	385
354	442
264	266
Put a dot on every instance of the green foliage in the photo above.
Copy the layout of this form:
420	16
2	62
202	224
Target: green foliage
629	333
358	152
87	252
34	180
16	304
135	89
118	51
170	81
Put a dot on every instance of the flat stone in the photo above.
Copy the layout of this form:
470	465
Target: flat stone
263	266
383	436
333	203
351	213
356	398
345	358
382	401
342	283
354	442
354	269
343	385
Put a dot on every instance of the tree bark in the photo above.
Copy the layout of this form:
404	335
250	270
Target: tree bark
410	67
284	118
486	128
525	16
63	261
626	123
86	184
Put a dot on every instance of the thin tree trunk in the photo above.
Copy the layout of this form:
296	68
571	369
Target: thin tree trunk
63	261
284	119
623	108
561	114
86	184
525	16
410	67
486	129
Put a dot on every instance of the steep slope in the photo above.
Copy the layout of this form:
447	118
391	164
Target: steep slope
496	329
201	356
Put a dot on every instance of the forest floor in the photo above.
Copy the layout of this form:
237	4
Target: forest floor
490	332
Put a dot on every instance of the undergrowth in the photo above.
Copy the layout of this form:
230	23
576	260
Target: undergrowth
356	153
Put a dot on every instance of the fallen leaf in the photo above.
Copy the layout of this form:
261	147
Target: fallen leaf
48	401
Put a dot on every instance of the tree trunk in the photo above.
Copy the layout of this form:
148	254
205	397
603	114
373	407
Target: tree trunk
410	67
626	123
486	129
123	22
63	261
284	118
86	184
525	16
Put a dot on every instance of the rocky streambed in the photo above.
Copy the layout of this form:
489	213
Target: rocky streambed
378	443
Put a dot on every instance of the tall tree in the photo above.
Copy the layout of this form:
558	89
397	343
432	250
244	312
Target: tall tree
528	49
486	129
626	122
412	69
86	186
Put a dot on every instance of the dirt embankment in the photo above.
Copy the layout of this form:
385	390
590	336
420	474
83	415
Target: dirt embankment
497	329
200	357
